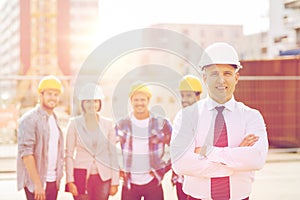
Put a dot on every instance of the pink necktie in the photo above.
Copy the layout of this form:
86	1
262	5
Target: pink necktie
220	189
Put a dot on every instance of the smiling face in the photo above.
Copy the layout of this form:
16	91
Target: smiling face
49	99
91	106
188	98
220	80
139	103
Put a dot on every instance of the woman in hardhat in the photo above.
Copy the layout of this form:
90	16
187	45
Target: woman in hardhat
95	167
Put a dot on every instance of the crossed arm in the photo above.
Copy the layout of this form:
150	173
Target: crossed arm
248	141
213	161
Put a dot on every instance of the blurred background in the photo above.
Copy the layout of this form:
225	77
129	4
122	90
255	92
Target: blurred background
41	37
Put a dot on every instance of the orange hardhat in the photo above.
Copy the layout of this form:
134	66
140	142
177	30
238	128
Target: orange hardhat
50	82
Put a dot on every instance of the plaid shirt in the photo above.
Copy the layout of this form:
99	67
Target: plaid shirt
159	134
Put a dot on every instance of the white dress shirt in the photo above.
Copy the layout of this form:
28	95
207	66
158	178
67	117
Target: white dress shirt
193	127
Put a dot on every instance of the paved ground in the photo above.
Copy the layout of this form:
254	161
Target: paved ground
278	180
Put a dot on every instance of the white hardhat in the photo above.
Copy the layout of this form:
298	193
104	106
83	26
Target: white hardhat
90	91
220	53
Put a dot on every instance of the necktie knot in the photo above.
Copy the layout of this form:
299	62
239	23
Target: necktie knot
220	109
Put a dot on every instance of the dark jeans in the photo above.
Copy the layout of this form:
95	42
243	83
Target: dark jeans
180	194
98	189
149	191
192	198
51	192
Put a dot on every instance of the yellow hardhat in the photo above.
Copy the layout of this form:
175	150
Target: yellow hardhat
190	83
140	88
50	82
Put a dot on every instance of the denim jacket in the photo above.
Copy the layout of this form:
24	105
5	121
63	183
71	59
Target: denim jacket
33	139
159	134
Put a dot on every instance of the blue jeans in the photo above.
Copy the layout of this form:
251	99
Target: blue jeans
149	191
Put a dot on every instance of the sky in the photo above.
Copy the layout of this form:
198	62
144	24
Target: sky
117	16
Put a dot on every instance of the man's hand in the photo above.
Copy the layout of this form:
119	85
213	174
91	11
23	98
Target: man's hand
122	174
39	192
249	140
197	150
203	151
113	190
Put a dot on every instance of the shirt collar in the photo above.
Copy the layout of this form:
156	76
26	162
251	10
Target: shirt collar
41	110
131	115
229	105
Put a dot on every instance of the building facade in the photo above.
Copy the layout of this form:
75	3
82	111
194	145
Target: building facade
41	37
284	30
44	37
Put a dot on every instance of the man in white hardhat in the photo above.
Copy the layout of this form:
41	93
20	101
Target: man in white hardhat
219	142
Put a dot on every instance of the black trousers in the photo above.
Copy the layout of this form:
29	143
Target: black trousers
51	192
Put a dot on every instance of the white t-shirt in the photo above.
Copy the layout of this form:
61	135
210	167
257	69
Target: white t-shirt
140	147
52	150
